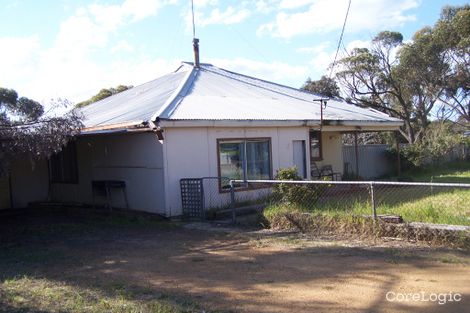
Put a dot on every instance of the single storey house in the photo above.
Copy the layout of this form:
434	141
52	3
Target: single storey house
198	121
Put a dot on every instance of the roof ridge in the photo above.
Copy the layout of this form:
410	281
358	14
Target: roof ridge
180	92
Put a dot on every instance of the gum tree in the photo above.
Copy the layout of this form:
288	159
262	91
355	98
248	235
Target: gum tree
27	130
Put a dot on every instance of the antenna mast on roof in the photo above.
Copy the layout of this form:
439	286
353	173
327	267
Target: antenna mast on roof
195	40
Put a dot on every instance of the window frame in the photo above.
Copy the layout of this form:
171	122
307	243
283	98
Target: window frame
320	145
74	177
246	139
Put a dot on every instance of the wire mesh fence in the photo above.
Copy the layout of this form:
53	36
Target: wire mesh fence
437	203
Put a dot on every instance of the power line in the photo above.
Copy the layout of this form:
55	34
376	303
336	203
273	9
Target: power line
340	39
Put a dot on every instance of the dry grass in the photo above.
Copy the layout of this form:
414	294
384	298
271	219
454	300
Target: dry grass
28	294
362	227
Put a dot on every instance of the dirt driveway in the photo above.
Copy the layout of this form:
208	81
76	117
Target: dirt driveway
241	271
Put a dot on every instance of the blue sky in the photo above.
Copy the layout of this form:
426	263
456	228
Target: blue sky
71	49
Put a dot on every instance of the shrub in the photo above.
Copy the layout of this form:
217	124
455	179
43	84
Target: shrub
435	145
302	195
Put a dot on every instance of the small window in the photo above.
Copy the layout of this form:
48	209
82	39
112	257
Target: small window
63	165
315	146
244	159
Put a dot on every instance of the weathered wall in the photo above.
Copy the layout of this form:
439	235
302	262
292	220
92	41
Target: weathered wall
29	182
136	159
4	193
192	152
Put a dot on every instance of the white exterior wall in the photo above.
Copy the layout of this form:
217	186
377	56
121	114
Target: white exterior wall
192	153
136	159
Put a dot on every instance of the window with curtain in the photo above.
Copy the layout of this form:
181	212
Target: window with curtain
315	146
63	165
244	159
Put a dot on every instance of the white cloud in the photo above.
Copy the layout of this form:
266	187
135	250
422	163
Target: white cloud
203	3
211	13
122	46
228	16
315	49
18	57
279	72
323	16
323	54
358	44
70	67
265	6
293	4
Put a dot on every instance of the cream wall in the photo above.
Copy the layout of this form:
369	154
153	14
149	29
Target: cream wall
332	151
135	158
192	153
152	170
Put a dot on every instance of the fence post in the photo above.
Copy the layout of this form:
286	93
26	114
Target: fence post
372	201
232	200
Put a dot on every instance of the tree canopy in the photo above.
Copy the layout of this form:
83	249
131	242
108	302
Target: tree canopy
452	32
325	86
413	80
102	94
27	130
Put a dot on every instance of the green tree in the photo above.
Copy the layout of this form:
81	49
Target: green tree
452	31
371	78
422	70
102	94
325	86
27	130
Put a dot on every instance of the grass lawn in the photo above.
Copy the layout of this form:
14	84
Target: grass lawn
455	172
440	205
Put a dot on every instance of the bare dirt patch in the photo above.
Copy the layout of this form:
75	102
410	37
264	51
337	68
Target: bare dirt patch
236	271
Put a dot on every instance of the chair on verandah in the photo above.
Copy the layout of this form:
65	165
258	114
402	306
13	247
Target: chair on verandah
315	172
327	171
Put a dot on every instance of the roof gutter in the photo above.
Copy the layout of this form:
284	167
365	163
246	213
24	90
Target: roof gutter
327	124
128	126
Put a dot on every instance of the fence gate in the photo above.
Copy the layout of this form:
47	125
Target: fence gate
192	198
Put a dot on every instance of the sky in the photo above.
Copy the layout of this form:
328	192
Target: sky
71	49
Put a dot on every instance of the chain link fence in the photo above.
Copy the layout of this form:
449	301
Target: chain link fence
437	203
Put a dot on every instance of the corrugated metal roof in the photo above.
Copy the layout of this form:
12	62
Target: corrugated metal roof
135	104
212	94
217	94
